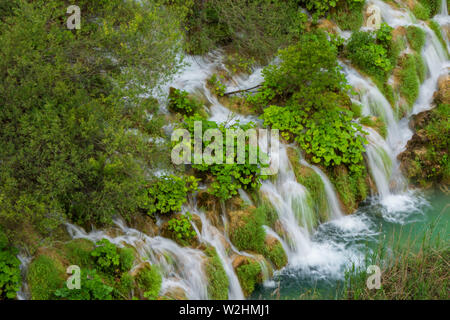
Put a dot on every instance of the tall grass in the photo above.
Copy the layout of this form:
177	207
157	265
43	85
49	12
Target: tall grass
417	269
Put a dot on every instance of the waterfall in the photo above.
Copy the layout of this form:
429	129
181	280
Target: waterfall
332	200
181	267
210	235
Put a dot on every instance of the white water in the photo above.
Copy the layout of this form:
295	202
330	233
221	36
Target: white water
181	267
332	200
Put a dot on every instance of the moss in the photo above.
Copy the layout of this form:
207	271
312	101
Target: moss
217	277
409	79
416	37
275	253
246	229
421	12
149	281
78	252
437	31
45	275
313	183
375	123
268	212
249	275
421	69
351	189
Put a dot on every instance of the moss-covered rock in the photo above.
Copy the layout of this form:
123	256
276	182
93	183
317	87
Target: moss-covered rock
249	273
425	160
46	274
246	229
148	281
217	277
313	183
273	251
78	252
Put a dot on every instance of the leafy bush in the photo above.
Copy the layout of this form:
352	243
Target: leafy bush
92	288
181	227
216	85
179	101
10	278
168	194
416	37
227	177
348	17
111	259
254	29
368	55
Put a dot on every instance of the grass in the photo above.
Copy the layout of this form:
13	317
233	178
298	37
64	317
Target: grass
416	270
416	37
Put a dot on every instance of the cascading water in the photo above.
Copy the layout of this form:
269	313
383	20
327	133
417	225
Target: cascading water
332	200
181	267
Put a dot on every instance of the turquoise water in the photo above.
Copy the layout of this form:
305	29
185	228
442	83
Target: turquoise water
347	241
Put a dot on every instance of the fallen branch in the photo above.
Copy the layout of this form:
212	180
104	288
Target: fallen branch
243	90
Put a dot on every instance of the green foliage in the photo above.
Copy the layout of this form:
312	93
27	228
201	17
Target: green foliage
409	79
10	278
348	16
433	165
369	52
65	147
254	29
179	101
248	233
416	37
78	252
228	174
276	255
433	7
149	280
437	31
111	259
217	277
168	193
376	123
45	275
321	7
421	12
92	288
248	275
181	227
216	85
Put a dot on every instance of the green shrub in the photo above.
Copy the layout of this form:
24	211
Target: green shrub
92	288
254	29
416	37
228	175
248	275
216	85
45	275
217	277
10	278
370	57
168	193
348	17
149	280
111	259
179	101
181	228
